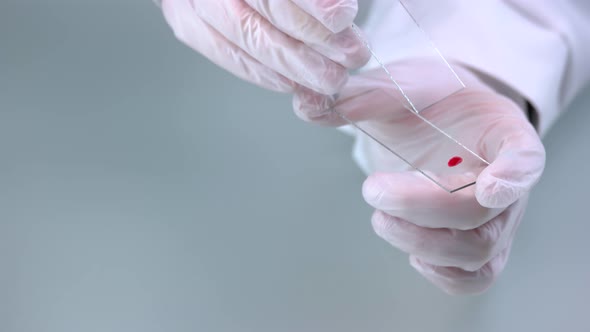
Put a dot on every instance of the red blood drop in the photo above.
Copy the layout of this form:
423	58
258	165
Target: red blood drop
455	161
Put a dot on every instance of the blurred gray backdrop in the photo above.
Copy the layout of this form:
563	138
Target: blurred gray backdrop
143	189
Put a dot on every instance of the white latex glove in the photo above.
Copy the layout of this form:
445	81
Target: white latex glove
276	44
460	241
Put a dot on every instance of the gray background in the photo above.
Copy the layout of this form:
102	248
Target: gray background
143	189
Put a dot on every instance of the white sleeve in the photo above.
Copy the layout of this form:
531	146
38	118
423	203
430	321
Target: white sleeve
539	49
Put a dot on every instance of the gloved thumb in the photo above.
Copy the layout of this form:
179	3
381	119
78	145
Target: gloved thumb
518	161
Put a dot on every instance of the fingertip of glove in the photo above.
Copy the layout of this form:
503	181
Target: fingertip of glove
349	50
509	177
309	105
492	192
372	189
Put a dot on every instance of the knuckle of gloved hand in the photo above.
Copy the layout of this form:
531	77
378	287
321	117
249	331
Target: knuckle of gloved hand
246	17
485	249
178	25
338	14
179	33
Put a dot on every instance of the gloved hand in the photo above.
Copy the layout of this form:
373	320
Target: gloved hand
275	44
460	241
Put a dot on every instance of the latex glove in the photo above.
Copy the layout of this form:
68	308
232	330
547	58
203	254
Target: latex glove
460	241
275	44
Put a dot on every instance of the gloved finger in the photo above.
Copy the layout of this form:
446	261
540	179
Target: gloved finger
201	37
456	281
469	250
246	28
336	15
362	98
412	197
518	160
344	47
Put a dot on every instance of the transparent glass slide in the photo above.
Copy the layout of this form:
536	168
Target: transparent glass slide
428	142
